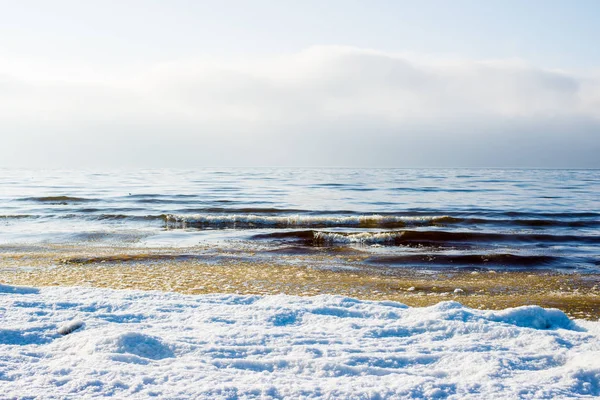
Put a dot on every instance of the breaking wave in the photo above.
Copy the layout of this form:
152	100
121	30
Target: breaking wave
421	237
253	221
364	238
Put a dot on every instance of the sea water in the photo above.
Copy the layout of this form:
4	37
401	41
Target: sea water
425	218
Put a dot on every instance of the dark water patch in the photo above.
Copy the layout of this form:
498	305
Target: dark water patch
566	215
467	260
88	210
495	214
294	235
359	189
326	185
584	223
441	237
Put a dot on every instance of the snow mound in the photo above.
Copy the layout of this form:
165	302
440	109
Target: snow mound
166	345
134	343
533	317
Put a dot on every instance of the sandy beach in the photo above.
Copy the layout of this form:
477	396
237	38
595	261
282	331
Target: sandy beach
190	271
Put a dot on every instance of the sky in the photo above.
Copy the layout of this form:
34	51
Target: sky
131	83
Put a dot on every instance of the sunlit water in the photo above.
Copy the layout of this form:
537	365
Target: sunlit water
404	217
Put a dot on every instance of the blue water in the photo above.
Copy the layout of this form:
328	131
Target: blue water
475	218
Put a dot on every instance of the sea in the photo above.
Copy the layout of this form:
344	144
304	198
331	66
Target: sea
517	219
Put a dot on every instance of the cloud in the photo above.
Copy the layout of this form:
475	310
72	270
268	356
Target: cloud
322	106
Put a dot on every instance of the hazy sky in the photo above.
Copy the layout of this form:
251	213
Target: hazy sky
300	83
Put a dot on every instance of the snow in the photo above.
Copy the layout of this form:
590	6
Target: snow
137	344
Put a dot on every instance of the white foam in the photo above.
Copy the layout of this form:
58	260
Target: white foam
165	345
366	238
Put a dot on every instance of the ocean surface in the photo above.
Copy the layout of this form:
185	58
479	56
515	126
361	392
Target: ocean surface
405	218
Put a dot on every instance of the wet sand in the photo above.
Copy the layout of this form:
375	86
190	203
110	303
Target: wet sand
576	294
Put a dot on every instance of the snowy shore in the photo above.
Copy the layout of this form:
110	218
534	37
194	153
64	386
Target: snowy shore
63	342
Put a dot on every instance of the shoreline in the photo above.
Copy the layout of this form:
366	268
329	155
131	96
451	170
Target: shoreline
578	295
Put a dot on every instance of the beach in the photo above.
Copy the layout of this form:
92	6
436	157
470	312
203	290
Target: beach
191	271
300	283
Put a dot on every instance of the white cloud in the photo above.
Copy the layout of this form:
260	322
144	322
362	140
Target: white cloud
344	97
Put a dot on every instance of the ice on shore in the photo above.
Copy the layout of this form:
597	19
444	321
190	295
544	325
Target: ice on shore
132	344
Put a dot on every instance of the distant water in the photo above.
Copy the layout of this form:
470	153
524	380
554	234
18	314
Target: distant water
463	218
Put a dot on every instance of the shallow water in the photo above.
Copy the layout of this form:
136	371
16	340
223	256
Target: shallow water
425	218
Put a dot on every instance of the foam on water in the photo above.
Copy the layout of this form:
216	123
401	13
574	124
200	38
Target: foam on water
365	238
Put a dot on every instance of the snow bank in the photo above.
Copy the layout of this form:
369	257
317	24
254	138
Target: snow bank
142	344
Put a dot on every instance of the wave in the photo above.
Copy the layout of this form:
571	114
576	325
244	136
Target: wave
58	199
320	238
572	214
581	223
18	216
250	217
420	238
253	221
248	210
253	217
364	238
436	237
423	259
257	218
